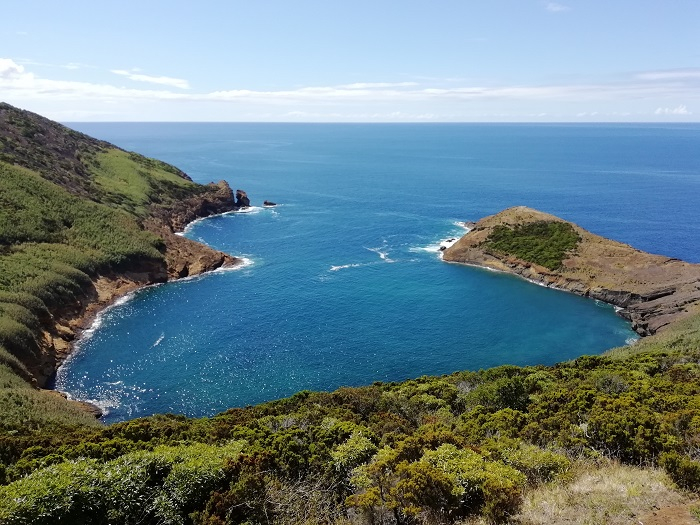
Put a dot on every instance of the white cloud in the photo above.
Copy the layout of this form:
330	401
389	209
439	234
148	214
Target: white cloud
678	110
10	69
671	74
555	7
429	100
374	85
165	81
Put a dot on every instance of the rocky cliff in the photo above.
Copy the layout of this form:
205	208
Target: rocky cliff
183	257
651	290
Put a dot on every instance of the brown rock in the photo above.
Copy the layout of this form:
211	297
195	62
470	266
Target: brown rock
242	200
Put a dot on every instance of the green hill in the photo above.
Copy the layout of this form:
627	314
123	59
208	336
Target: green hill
76	213
602	439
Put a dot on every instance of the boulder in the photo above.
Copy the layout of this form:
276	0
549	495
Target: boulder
242	200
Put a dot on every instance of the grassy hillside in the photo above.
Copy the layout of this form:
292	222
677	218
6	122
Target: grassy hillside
51	244
88	167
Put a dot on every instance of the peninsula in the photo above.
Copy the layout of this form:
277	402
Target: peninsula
651	291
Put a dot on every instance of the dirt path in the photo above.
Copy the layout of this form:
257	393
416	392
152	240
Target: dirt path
675	515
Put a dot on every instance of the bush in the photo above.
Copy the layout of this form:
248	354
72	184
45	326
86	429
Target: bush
537	464
159	486
682	470
543	242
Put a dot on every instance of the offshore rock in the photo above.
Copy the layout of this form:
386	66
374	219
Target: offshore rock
651	290
269	203
242	200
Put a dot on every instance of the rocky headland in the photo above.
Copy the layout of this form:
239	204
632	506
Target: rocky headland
651	291
183	257
149	197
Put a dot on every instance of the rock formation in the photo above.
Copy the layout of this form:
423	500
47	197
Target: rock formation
242	200
652	290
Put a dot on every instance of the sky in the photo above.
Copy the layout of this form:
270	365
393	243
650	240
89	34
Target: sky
359	61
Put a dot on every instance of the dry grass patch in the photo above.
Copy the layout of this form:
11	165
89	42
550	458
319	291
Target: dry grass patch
611	494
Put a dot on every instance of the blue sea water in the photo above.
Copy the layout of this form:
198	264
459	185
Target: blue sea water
344	284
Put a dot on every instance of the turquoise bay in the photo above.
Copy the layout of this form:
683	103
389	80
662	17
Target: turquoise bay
344	285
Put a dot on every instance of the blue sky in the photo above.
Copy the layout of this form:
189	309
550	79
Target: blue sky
360	61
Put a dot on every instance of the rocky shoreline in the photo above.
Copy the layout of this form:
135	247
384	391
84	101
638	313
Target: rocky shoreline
651	291
183	257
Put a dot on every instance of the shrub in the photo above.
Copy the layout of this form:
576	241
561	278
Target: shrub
682	470
543	242
537	464
159	486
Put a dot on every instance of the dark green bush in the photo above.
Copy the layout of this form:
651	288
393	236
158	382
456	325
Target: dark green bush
684	471
543	242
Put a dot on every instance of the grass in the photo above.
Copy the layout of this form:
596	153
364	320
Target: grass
132	182
610	493
546	243
681	336
26	410
51	244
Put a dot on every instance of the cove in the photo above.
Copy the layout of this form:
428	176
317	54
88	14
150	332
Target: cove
344	285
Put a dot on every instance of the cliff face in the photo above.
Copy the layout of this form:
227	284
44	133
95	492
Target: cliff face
184	257
652	290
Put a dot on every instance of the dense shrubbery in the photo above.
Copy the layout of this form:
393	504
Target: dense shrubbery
543	242
429	450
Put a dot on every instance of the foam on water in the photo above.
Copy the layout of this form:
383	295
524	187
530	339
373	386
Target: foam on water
345	266
383	254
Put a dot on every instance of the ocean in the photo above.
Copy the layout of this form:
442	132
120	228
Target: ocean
343	284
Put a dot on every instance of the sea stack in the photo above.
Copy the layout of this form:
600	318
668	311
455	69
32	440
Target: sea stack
242	200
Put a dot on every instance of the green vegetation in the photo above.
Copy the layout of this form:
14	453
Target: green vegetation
429	450
507	444
71	208
51	243
546	243
133	182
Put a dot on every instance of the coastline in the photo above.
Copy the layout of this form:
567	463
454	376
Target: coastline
651	291
183	259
